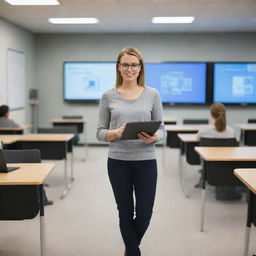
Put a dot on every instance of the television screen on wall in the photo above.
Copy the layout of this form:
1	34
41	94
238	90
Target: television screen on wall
86	81
178	82
234	83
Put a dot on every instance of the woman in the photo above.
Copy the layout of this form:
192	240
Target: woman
132	166
218	128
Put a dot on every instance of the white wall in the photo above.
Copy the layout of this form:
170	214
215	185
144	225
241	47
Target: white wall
19	39
52	50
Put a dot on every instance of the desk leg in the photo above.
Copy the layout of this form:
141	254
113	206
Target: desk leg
66	190
203	202
184	177
72	166
85	143
67	185
248	224
42	221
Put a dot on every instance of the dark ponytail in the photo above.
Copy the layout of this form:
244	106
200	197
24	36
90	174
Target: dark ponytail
218	112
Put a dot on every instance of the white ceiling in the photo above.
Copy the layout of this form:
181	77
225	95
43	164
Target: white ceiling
135	15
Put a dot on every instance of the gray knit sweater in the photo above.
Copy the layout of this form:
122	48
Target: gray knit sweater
114	110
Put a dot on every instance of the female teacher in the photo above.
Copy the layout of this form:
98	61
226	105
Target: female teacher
132	166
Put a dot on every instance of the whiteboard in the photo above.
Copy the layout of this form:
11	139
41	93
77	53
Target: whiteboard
16	79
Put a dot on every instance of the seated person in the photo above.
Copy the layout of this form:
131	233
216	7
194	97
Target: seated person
6	122
4	117
219	129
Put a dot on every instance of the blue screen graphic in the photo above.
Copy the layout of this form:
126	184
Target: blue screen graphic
235	82
88	80
178	82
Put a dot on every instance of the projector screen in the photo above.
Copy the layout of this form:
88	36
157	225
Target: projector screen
86	81
234	83
178	82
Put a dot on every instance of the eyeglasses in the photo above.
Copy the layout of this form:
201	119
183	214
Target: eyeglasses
133	66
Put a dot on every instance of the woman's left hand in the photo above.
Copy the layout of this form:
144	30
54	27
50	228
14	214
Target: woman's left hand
146	138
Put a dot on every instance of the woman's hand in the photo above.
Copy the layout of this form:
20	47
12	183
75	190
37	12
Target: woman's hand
146	138
119	131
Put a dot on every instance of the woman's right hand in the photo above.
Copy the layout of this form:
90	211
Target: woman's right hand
115	134
120	130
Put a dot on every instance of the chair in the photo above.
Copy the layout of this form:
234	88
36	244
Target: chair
195	121
217	174
20	202
62	129
72	117
252	121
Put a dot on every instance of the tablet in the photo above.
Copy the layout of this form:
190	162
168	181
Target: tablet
132	129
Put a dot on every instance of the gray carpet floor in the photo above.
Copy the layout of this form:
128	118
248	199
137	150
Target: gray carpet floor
86	221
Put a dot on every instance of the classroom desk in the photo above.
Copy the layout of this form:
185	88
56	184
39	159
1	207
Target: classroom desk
187	156
173	130
14	130
247	130
34	175
170	121
49	144
79	123
248	177
9	139
228	158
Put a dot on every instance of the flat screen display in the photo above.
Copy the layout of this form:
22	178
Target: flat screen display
234	83
87	81
178	82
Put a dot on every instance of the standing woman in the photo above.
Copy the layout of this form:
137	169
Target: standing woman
132	166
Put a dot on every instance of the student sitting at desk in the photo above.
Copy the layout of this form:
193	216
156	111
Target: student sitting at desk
4	117
218	127
6	122
219	130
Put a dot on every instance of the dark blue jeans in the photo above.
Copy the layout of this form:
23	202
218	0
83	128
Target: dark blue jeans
138	177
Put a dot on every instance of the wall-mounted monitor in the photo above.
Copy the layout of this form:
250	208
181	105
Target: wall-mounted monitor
234	83
178	82
86	81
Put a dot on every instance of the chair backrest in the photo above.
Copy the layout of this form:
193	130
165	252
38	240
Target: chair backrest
19	202
195	121
72	117
252	121
218	142
58	129
22	156
220	174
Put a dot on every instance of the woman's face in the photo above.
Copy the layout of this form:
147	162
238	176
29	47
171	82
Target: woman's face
129	67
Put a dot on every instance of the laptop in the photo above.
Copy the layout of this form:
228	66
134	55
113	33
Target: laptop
3	166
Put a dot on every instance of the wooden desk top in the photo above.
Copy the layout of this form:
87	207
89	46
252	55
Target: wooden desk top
188	137
46	137
248	177
63	121
247	127
20	128
28	174
227	153
9	139
185	127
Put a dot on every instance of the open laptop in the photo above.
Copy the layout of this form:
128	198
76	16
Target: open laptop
3	166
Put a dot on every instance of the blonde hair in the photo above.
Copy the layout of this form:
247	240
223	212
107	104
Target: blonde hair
134	52
218	112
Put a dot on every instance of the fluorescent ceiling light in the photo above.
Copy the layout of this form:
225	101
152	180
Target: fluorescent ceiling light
32	2
162	20
73	20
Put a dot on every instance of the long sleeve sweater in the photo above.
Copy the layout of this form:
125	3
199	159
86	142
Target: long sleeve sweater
114	110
